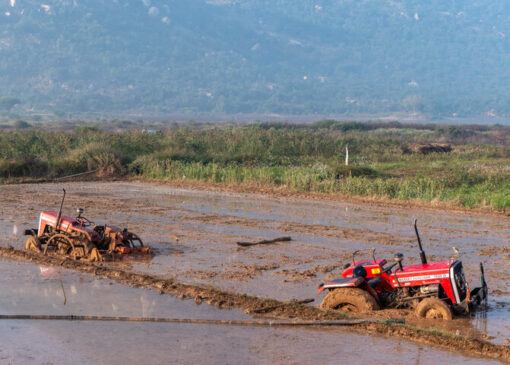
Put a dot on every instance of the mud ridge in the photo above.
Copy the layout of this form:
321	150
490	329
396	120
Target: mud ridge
276	191
280	310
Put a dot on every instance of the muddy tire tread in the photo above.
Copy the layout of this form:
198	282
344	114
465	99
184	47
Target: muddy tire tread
362	300
433	304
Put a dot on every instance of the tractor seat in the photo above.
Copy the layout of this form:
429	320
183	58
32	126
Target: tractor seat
373	282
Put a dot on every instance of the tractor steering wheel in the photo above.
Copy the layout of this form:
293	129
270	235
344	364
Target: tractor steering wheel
388	269
84	222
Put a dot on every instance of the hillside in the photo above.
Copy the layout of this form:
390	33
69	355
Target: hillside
439	58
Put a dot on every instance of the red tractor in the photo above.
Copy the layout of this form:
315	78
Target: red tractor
435	290
79	238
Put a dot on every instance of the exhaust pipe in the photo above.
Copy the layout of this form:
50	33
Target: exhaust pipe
57	226
422	253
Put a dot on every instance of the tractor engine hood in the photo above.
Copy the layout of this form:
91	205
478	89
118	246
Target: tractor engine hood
422	274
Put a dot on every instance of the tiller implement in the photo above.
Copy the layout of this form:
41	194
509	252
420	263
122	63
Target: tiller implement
434	290
81	239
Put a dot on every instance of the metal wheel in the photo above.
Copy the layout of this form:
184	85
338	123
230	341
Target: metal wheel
59	243
133	241
33	244
83	248
95	255
90	251
67	246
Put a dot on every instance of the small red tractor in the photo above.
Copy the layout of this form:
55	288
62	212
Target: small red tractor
79	238
435	290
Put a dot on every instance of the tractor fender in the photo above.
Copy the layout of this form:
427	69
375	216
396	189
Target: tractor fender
30	232
341	283
365	286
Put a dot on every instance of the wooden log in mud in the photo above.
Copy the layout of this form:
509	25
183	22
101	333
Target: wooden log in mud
265	242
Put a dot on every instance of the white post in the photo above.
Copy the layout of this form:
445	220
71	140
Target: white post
347	155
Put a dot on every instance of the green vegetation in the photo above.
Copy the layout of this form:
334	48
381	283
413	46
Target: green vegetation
293	157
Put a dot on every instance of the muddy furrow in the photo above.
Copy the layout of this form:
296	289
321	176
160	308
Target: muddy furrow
276	309
199	294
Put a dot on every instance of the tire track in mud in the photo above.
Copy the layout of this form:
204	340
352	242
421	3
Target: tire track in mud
280	310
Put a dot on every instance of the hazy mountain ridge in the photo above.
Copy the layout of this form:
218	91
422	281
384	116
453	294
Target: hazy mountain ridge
266	56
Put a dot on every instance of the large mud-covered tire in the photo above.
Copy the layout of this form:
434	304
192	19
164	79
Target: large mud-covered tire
433	308
33	244
349	300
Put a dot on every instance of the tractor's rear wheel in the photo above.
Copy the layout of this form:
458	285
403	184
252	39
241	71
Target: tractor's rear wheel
433	308
59	243
33	244
349	300
72	246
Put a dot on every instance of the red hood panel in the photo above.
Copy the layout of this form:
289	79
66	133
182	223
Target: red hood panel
419	268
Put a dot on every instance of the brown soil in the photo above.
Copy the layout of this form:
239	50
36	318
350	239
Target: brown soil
278	191
249	304
493	251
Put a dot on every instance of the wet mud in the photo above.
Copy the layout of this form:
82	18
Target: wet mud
37	288
194	233
252	305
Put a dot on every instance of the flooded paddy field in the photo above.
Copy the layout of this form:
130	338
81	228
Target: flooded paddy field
195	232
36	289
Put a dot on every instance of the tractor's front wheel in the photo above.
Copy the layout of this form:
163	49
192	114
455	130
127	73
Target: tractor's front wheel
33	244
433	308
349	300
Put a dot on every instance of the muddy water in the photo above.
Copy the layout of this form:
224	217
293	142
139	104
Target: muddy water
33	289
195	233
